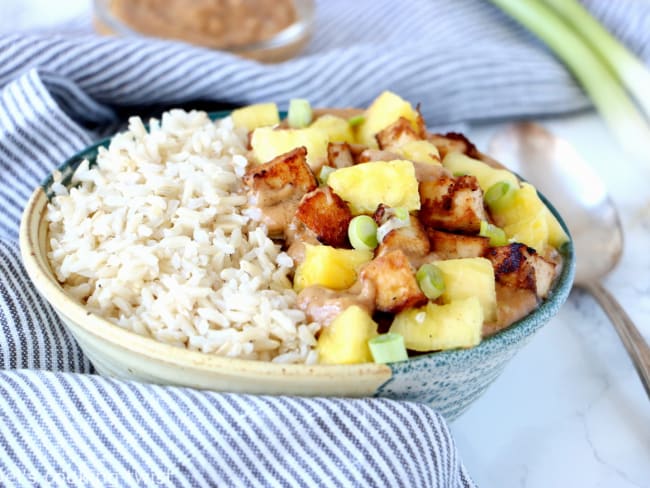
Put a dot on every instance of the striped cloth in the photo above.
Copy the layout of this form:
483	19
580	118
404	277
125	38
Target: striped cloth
60	425
74	429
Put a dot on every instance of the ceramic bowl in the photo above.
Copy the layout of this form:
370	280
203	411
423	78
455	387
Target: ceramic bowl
449	381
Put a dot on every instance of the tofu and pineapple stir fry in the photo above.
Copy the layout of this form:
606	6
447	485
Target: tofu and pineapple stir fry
403	241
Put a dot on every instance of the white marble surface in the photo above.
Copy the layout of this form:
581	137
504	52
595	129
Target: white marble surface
569	410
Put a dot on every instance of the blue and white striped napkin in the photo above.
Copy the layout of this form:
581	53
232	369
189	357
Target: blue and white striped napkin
60	425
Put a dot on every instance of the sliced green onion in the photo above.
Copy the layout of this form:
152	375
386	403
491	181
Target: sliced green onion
430	280
564	248
401	213
496	234
607	94
362	233
499	196
388	348
356	120
325	173
300	113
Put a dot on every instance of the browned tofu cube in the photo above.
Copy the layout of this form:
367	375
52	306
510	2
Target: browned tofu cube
412	240
453	142
326	215
519	266
339	155
457	246
382	214
356	150
285	177
394	281
545	272
421	124
396	134
452	204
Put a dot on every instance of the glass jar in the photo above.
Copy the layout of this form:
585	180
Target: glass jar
265	30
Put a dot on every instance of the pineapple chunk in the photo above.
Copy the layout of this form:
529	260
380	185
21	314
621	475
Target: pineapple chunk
345	340
556	234
385	110
486	175
365	186
254	116
436	327
268	143
336	128
525	205
529	221
420	151
531	231
470	277
329	267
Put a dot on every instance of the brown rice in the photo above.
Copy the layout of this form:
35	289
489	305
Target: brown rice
157	239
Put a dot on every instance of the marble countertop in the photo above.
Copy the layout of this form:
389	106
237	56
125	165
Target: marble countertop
569	409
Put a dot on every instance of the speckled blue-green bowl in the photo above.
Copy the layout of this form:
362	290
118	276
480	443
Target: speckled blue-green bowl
449	381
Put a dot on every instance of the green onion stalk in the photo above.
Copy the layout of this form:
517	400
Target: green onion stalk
325	173
500	195
629	69
356	120
300	113
605	90
496	234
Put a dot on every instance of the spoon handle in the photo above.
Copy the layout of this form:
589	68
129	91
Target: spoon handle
632	339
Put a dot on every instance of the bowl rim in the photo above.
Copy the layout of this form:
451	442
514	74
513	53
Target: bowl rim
102	328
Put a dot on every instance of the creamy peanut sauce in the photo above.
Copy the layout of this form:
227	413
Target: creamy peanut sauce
278	208
323	305
296	236
211	23
512	305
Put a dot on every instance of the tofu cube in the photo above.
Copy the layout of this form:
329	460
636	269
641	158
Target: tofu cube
453	246
327	215
394	281
452	204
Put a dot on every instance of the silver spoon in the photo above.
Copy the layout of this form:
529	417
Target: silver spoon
560	173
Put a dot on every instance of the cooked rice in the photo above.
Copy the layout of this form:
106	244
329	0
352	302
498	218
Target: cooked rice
157	239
